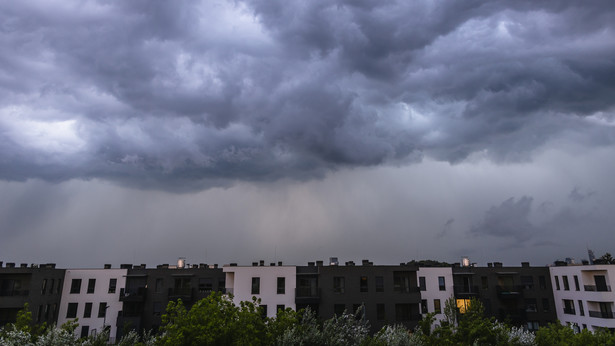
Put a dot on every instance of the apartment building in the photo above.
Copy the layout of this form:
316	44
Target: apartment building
583	295
274	285
436	286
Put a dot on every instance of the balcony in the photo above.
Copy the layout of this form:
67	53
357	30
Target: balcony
511	291
307	295
601	314
185	294
14	293
132	294
594	288
465	292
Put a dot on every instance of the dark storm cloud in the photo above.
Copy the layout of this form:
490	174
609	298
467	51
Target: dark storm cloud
510	219
185	95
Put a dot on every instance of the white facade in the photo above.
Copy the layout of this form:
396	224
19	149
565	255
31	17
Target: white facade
583	295
274	285
434	293
85	294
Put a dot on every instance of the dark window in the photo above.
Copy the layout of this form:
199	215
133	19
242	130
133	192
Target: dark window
59	287
401	282
545	304
424	308
422	284
91	285
380	312
157	308
484	283
102	309
75	286
256	285
263	311
363	284
85	331
436	306
576	283
338	284
71	312
47	308
556	283
527	282
221	284
206	285
112	285
339	309
569	307
379	284
39	316
542	282
281	285
159	285
531	305
44	286
566	285
581	310
280	307
51	286
403	312
54	309
87	312
441	283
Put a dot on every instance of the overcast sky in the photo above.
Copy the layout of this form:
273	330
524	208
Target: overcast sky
233	131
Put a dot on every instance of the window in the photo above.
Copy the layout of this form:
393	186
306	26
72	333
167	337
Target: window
85	331
527	282
463	305
363	284
339	309
338	284
581	310
157	308
424	308
401	282
545	304
576	283
441	283
484	283
159	285
379	284
532	325
566	285
530	305
380	312
263	311
422	285
206	285
102	309
59	287
403	312
556	283
39	316
75	286
569	307
46	312
256	285
436	306
542	282
71	312
54	309
112	285
87	312
44	286
280	307
281	285
221	284
91	285
51	286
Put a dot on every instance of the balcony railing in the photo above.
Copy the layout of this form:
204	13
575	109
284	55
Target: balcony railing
307	292
469	291
509	291
601	314
14	293
594	288
181	293
132	294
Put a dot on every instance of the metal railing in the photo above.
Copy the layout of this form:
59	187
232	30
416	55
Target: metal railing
594	288
601	314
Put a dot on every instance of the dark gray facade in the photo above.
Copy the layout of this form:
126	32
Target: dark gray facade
38	285
387	294
149	290
522	295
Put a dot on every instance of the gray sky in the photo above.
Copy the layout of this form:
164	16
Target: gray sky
137	132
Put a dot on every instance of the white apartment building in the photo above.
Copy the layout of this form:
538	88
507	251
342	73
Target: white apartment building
274	285
583	295
92	296
436	286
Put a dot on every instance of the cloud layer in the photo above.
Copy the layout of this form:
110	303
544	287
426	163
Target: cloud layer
187	95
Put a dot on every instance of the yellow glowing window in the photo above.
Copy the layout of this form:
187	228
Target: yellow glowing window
463	305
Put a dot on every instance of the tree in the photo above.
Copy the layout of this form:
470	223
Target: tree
607	258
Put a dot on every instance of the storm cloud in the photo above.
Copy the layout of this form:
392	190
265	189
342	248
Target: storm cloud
187	95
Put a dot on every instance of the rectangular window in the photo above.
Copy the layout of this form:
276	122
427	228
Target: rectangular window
59	287
581	310
221	284
403	312
256	286
545	304
542	282
44	286
424	308
281	285
206	285
157	308
441	283
112	285
436	306
102	309
527	282
338	284
401	282
75	286
47	309
422	284
576	283
87	312
556	283
484	283
339	309
566	285
530	305
85	331
280	307
91	285
39	316
380	312
263	311
51	286
363	284
569	307
71	312
379	284
159	285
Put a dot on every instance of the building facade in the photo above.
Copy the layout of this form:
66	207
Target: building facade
436	286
